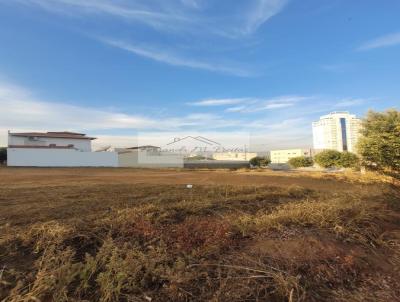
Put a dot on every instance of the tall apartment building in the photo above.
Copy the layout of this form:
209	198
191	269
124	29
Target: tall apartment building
337	131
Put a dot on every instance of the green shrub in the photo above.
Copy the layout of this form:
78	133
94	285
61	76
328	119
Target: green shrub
328	158
301	161
260	161
333	158
348	160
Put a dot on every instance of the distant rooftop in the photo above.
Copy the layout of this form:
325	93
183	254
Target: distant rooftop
53	134
339	112
143	147
333	113
51	146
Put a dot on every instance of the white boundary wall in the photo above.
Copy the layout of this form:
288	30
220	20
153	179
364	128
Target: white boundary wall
142	159
25	157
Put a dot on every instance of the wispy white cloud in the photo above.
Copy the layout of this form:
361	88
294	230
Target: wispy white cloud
127	10
279	130
261	11
45	115
277	105
42	114
257	104
181	15
384	41
252	104
171	58
202	21
236	109
219	102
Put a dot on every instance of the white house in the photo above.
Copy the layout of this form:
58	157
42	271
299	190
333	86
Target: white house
56	149
59	140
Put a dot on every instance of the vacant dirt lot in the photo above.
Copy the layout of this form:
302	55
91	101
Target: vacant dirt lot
71	176
141	235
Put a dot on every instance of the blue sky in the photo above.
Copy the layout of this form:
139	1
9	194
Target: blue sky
263	69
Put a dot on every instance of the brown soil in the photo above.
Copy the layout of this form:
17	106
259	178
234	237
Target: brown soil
140	235
65	176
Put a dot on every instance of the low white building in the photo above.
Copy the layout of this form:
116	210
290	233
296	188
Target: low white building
240	156
56	149
283	156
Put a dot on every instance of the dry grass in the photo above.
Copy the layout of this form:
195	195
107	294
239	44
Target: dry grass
347	175
80	241
342	215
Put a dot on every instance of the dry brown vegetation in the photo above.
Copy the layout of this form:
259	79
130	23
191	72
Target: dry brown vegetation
131	235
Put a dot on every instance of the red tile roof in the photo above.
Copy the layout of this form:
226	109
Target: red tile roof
64	134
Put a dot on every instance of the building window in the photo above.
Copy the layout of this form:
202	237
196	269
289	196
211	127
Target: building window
344	133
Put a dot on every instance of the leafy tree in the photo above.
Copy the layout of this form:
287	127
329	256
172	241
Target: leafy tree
348	160
260	161
328	158
266	161
301	161
3	155
379	145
